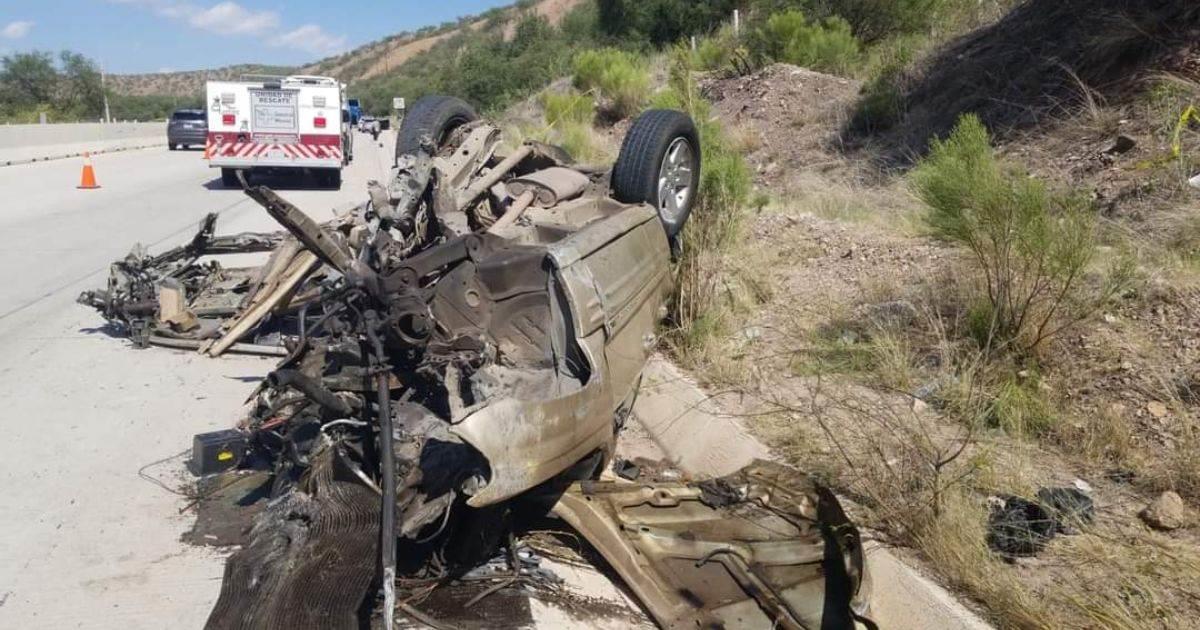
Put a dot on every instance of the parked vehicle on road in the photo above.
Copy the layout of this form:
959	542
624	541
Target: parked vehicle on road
296	123
187	127
371	125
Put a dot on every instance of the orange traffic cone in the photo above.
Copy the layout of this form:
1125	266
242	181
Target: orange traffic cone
88	179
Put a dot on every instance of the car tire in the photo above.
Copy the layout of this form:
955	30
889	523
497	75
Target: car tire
229	178
659	164
434	116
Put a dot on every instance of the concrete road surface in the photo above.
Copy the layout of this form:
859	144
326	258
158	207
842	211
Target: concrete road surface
85	542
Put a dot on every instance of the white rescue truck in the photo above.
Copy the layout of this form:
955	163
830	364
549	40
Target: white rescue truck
289	123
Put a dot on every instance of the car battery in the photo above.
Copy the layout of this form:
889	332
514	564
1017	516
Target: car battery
217	451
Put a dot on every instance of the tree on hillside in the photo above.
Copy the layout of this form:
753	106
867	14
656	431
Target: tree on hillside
79	88
29	78
662	22
30	82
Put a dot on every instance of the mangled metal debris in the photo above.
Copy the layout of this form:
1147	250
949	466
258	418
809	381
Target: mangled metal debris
765	547
471	340
184	299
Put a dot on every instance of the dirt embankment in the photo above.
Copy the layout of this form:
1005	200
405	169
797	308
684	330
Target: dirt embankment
840	247
1040	62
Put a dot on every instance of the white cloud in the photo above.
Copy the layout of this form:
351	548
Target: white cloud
233	18
310	38
16	29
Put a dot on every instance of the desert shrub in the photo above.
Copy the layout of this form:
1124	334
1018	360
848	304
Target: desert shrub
875	20
579	139
880	105
567	107
1031	247
721	50
1019	408
790	37
701	306
620	79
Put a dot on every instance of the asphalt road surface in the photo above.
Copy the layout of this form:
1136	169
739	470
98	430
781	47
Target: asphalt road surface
85	542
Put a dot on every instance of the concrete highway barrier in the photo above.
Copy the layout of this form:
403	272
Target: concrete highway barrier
21	144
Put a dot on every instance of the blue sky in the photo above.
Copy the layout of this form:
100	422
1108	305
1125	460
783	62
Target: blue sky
163	35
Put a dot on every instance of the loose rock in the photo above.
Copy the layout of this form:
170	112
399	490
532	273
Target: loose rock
1166	512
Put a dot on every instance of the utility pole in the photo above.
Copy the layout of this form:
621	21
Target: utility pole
104	93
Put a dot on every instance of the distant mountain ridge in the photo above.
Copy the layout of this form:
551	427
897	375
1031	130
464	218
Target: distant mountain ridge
369	60
185	83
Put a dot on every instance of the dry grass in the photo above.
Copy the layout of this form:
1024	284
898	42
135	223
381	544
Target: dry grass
956	544
918	483
890	208
918	474
744	139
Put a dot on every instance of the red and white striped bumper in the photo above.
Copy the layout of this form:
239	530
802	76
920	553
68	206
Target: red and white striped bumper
311	151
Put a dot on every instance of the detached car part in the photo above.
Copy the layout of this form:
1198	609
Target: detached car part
765	547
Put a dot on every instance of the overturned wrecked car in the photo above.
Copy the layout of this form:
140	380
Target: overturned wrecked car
468	345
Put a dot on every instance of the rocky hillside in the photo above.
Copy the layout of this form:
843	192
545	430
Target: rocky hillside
370	60
184	84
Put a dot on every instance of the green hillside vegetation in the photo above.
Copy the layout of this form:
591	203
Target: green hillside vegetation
68	88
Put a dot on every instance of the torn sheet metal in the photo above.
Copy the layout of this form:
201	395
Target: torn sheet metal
765	547
185	299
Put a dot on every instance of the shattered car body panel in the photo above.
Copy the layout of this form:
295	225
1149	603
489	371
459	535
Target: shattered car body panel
611	307
764	547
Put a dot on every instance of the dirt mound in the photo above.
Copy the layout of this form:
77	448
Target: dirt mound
1046	58
785	118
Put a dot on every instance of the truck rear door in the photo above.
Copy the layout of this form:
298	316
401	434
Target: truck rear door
275	116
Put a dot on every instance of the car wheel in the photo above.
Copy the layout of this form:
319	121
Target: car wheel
229	178
433	116
659	164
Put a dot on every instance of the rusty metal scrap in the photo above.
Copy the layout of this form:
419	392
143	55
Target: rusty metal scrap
765	547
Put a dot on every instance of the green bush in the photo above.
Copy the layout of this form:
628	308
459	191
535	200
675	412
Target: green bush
718	51
1031	247
621	79
875	20
567	107
1020	409
661	22
880	104
790	37
580	140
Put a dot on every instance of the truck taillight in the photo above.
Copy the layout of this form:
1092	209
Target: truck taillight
319	122
228	120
